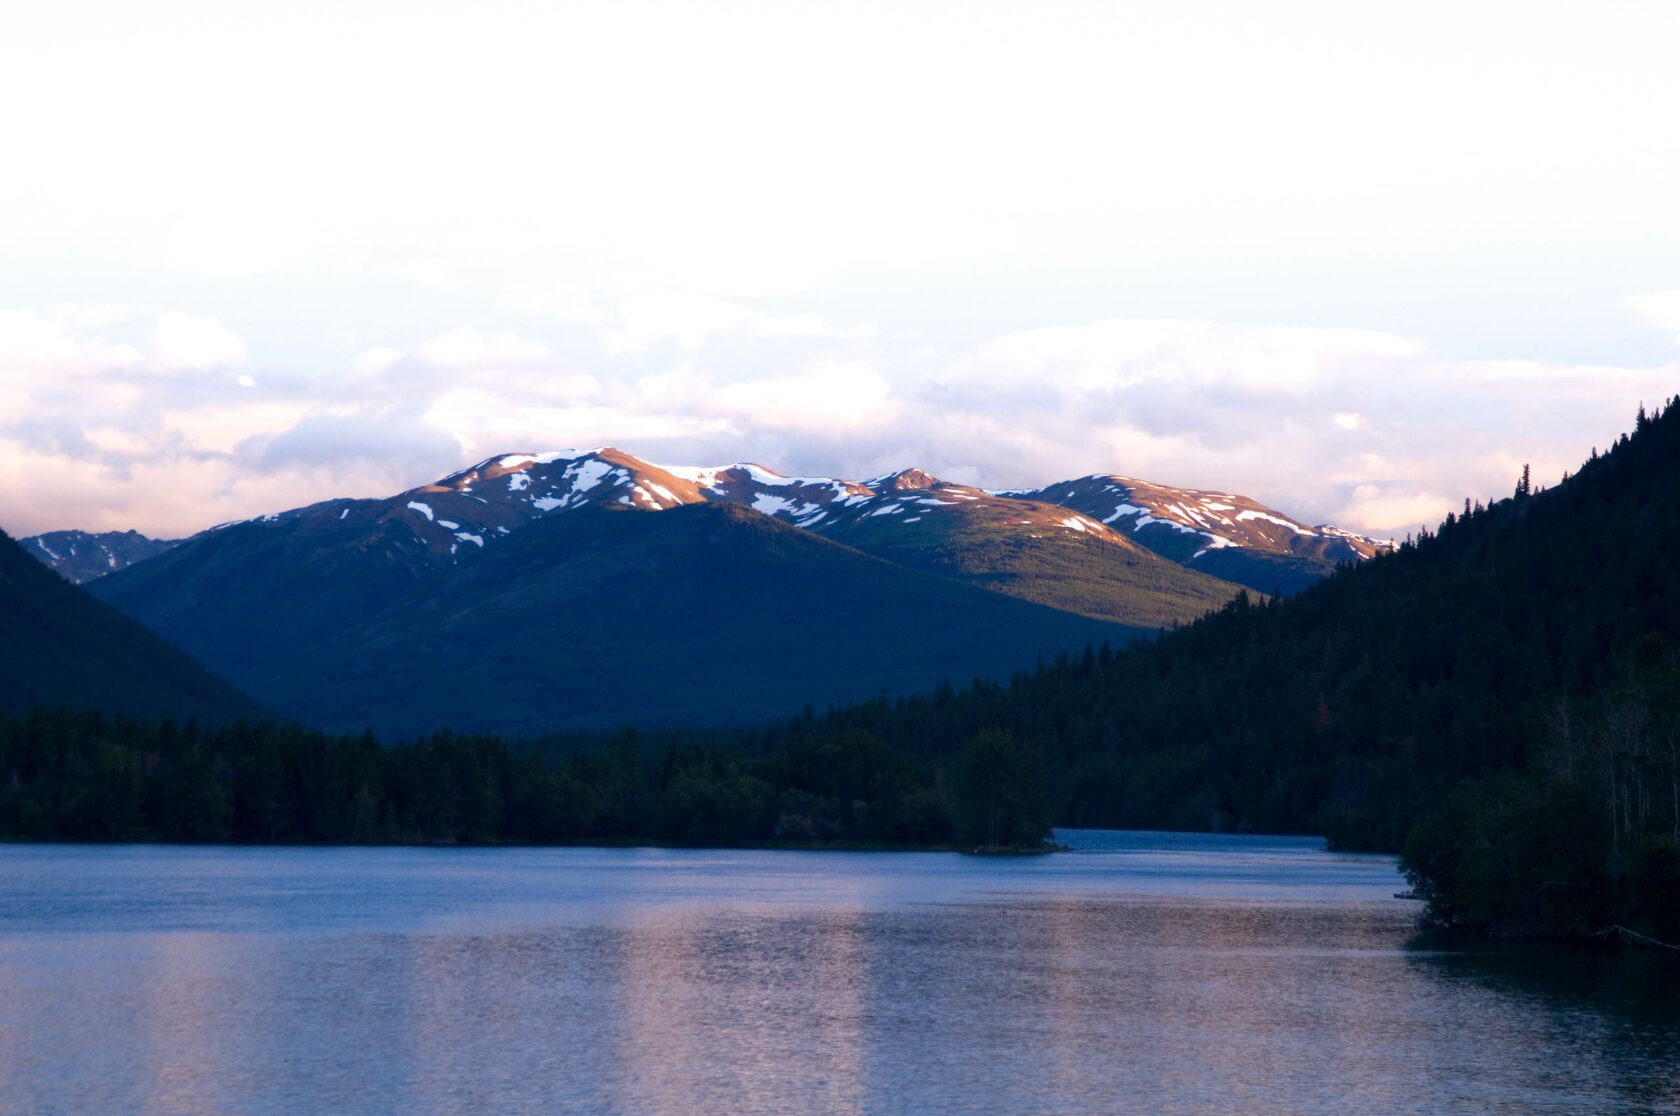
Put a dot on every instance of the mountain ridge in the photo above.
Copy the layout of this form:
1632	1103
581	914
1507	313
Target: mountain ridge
1257	547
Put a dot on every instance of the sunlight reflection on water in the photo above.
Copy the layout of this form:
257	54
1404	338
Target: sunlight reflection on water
1144	972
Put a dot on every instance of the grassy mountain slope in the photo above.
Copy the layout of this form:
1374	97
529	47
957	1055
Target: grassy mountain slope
1228	536
59	646
1021	548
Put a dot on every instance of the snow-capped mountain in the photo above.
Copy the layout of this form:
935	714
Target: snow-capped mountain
1268	550
1185	523
1227	536
1220	533
82	555
536	590
494	496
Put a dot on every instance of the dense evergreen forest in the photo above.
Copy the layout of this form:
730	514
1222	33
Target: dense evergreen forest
60	646
86	776
1499	699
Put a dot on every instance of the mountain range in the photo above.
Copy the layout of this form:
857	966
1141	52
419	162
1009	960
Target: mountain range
526	594
1231	537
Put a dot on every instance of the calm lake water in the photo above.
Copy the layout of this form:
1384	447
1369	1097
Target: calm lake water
1140	973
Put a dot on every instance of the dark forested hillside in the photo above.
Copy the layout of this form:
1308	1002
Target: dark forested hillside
85	776
59	646
1503	691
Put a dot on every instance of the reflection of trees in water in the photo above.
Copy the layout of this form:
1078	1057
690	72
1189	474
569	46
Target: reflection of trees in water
1613	1015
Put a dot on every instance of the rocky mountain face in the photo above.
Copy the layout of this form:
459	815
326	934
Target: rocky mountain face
82	555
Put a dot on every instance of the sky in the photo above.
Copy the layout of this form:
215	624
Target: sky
1359	262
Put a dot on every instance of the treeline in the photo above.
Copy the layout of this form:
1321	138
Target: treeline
1583	838
84	776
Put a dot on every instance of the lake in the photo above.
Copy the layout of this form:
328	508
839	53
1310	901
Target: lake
1142	972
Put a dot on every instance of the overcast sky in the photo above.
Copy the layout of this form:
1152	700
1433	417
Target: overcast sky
1357	261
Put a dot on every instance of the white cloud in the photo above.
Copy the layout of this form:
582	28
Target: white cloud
1137	364
34	342
371	362
218	427
1659	308
395	442
185	342
635	320
1367	429
466	347
486	422
833	399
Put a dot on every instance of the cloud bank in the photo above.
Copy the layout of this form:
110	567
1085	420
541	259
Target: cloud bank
185	427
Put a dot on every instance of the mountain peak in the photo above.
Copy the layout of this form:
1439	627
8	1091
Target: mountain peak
905	480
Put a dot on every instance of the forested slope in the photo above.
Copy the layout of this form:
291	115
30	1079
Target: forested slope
1500	697
59	646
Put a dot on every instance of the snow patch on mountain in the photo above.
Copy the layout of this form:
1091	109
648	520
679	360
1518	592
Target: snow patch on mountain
700	477
1296	527
585	473
777	505
1126	509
